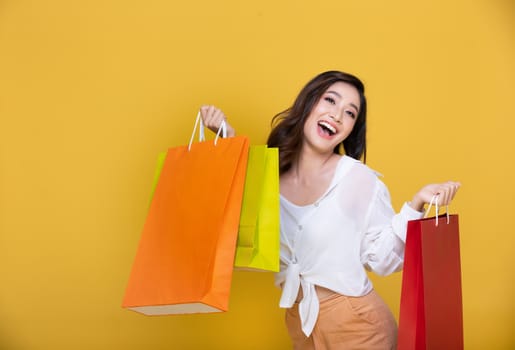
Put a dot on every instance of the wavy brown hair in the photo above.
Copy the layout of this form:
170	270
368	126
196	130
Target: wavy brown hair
288	126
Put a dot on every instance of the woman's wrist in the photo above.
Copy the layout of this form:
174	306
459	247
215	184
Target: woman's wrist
230	132
417	203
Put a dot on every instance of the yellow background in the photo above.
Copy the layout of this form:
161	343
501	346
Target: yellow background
91	91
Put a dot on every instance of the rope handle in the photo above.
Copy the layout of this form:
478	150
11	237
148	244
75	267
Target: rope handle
201	135
435	200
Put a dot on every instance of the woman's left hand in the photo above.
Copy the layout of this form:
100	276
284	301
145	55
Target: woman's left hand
445	191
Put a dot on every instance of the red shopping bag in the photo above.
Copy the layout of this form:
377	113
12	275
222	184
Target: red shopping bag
185	257
431	302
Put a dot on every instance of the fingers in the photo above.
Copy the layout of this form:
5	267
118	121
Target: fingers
446	192
212	117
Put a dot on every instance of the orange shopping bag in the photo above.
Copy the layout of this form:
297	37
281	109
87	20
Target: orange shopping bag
185	257
431	314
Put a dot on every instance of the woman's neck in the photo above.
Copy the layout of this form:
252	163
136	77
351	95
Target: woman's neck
311	166
308	178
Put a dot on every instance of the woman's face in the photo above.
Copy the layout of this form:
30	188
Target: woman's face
332	118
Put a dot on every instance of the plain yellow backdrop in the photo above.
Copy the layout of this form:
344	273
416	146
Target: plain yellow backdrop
92	91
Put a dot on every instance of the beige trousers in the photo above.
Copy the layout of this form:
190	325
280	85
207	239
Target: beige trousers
346	323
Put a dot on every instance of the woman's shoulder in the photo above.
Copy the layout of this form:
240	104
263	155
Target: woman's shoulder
360	168
359	184
363	176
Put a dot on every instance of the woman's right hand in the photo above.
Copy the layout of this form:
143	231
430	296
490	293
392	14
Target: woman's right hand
213	118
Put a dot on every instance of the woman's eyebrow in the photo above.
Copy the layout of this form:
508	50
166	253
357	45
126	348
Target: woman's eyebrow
340	96
334	93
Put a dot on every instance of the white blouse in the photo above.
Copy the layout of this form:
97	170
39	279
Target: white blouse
329	243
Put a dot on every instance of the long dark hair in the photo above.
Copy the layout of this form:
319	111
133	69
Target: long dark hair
288	132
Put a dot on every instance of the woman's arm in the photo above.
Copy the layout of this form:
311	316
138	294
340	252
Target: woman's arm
382	246
213	117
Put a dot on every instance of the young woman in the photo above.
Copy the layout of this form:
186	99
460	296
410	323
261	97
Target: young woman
337	219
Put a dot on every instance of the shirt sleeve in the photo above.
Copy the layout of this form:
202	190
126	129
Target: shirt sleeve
382	244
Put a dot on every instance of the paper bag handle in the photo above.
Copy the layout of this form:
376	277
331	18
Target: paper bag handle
201	135
435	200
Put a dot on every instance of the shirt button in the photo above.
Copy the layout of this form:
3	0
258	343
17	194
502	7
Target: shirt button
316	204
300	227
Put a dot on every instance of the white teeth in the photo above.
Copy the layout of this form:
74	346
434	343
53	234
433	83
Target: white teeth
328	126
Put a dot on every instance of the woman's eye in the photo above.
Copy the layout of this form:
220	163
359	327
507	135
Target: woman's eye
351	114
330	100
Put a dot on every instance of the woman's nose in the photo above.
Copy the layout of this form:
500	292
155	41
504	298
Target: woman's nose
336	117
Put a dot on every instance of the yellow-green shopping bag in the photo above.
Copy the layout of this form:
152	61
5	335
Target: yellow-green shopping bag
258	236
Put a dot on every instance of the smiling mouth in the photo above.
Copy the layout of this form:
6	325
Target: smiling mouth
327	128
